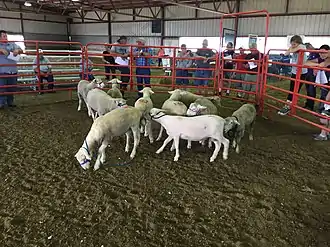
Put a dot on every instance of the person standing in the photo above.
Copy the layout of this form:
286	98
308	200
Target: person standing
8	74
123	52
109	60
182	65
142	71
228	65
241	67
45	71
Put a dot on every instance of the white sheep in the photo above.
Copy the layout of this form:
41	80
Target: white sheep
115	92
172	106
192	129
100	102
83	88
242	119
145	105
115	123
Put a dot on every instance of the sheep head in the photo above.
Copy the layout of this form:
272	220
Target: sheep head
146	92
175	94
114	81
195	109
98	82
121	103
231	123
83	157
156	113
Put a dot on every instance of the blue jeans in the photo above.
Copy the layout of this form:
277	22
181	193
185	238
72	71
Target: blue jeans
90	77
9	98
49	78
124	71
202	74
324	92
182	73
142	80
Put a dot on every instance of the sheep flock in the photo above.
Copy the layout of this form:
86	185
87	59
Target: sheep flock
183	115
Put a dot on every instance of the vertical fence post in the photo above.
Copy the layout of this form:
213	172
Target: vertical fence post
38	67
297	83
173	69
131	82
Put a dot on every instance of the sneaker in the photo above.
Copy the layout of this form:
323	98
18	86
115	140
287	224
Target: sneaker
326	113
284	111
320	138
239	95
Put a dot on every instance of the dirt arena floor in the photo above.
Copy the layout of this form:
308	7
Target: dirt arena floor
274	194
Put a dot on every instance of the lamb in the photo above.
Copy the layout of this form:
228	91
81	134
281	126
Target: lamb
115	92
145	105
102	103
193	129
243	118
115	123
83	88
172	106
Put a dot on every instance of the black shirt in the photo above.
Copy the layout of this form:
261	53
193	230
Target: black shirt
109	59
256	56
229	64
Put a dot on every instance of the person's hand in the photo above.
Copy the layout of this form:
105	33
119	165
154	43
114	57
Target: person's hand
206	60
322	64
15	52
315	71
4	52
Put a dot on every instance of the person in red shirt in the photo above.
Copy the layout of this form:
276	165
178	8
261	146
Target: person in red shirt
240	66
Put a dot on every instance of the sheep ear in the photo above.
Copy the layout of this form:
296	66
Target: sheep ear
141	91
236	122
202	107
183	92
171	92
152	91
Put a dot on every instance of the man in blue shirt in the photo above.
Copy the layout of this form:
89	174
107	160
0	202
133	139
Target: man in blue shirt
8	74
45	71
142	73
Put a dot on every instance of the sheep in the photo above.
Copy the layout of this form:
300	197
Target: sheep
202	106
115	123
83	88
145	104
172	106
115	92
193	129
102	103
243	118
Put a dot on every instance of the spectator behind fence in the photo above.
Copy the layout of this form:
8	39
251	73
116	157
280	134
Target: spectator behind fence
8	55
109	60
45	71
160	54
143	74
322	61
229	54
284	69
87	76
207	55
296	45
240	66
123	53
252	66
181	65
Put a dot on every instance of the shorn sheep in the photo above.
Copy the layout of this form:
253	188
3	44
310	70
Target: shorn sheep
172	106
83	88
115	123
115	92
100	102
193	129
242	119
145	105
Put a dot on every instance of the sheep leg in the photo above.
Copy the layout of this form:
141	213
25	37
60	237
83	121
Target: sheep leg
127	142
238	140
210	143
225	143
176	143
136	136
80	102
101	157
216	150
90	111
189	144
251	131
151	137
172	147
167	140
160	133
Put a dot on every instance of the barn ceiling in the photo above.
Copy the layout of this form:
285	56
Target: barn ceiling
65	7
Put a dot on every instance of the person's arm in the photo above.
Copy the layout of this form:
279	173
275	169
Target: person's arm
17	50
294	50
49	66
314	63
35	65
189	62
103	58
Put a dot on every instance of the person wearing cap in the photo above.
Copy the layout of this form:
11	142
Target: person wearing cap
142	73
8	74
45	71
121	49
